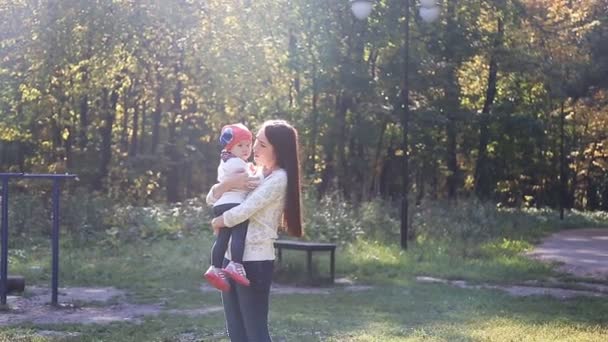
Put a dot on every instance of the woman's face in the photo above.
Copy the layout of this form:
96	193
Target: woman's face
263	151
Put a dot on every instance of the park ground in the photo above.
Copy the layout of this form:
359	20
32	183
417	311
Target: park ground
152	291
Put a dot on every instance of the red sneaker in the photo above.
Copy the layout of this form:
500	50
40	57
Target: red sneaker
236	271
217	278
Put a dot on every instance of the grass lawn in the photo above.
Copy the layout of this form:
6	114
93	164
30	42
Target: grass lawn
396	308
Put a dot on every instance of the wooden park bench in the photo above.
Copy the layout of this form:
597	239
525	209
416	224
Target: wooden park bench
309	247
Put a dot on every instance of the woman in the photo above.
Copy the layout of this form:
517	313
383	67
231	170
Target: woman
276	200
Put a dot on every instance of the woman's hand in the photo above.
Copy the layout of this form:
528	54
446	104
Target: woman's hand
237	181
217	223
240	181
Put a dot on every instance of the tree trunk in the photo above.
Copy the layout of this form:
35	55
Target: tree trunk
68	149
483	185
134	135
84	122
434	183
604	206
315	125
341	140
562	163
294	88
142	136
314	102
56	134
335	144
453	105
452	162
589	181
124	136
156	115
173	173
420	184
328	174
109	108
374	184
83	138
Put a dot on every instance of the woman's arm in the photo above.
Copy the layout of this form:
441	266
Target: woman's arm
272	189
216	191
237	181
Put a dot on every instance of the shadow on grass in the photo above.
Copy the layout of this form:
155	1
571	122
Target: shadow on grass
440	311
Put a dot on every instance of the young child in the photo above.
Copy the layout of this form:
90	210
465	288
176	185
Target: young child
236	141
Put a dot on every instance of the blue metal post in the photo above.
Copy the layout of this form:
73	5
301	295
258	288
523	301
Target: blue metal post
55	241
57	178
4	262
4	236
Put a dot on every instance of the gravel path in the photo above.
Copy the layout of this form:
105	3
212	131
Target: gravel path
582	252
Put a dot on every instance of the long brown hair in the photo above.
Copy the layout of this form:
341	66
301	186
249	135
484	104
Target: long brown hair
284	139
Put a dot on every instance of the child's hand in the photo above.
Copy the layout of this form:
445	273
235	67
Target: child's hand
252	168
217	223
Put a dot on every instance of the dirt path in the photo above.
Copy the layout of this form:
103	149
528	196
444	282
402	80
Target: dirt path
103	305
582	252
555	291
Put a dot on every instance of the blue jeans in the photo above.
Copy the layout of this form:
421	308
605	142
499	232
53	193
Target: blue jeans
238	234
246	307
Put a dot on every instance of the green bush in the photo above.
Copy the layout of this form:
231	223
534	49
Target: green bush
467	226
463	225
130	223
81	215
84	214
330	219
89	217
28	216
380	220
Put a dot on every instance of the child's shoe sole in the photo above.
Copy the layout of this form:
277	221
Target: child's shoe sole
237	277
217	282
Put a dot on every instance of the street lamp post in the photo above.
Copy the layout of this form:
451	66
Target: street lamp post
429	12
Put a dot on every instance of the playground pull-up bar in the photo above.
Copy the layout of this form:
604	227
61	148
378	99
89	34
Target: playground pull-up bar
57	178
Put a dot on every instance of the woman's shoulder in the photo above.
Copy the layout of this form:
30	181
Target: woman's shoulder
278	175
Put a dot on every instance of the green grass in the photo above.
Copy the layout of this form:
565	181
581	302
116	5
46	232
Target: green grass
391	313
395	309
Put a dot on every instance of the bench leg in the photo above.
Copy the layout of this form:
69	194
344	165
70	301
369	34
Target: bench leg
309	265
279	255
332	266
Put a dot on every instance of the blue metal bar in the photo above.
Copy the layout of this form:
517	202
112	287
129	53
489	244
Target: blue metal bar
57	178
55	241
49	175
4	262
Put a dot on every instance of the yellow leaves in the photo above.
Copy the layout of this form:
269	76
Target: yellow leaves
29	93
601	163
205	138
491	148
65	134
8	133
589	150
231	21
472	79
469	182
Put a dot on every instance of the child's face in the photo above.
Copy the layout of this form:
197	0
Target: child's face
242	149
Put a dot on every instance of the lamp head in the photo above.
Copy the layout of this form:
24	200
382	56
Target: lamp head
361	8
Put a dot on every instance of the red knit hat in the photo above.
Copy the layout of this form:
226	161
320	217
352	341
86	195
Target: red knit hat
233	134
